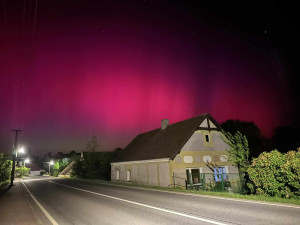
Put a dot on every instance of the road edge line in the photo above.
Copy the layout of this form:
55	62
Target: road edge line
50	218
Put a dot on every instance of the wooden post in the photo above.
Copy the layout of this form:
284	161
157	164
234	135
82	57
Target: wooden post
12	175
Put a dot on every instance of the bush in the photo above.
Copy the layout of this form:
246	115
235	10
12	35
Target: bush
55	173
59	165
5	168
22	171
276	174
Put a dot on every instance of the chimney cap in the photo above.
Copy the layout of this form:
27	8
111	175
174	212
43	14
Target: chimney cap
164	124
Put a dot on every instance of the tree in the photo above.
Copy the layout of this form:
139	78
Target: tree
96	165
238	150
238	154
257	143
286	138
118	150
93	144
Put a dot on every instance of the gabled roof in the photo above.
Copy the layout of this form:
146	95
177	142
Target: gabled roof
158	143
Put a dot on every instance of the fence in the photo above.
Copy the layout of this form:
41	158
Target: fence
220	182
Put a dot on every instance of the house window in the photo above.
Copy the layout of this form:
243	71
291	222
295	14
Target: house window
128	175
193	175
207	138
220	173
118	175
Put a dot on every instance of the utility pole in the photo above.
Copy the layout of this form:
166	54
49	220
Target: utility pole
12	176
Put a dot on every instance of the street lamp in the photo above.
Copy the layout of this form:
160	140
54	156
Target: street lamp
21	150
50	163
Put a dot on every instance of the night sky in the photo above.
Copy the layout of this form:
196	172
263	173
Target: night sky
73	69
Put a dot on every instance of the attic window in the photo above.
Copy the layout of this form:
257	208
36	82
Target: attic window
207	138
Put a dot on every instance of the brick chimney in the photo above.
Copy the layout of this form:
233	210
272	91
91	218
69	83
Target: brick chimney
164	124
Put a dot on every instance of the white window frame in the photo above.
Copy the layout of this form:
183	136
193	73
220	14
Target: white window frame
118	175
190	170
128	175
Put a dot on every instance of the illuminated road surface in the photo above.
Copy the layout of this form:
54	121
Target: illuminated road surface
66	201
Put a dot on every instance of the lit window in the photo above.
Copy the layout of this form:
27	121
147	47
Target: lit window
128	177
207	138
118	175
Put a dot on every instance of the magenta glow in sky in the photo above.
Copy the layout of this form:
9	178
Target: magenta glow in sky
118	76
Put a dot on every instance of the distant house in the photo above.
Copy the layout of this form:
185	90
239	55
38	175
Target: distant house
173	154
35	169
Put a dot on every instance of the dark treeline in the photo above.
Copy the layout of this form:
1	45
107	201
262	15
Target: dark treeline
284	139
93	165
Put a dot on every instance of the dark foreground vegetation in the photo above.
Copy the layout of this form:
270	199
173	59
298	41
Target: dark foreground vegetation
93	165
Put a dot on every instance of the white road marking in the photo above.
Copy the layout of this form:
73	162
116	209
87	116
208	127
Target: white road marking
199	196
52	220
145	205
29	180
37	179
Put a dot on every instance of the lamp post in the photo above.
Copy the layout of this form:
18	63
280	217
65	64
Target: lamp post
50	163
12	175
15	154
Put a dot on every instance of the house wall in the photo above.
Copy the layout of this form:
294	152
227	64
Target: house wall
197	142
196	152
146	173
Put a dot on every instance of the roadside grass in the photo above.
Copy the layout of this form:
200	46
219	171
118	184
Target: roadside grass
200	192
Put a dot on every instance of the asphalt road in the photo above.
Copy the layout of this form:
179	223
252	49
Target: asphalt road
66	201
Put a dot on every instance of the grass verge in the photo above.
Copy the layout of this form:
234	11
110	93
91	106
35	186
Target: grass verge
200	192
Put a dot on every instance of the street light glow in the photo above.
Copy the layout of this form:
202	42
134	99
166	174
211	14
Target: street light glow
21	150
51	162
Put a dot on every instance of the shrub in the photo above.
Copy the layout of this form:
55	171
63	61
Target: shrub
22	171
59	166
5	168
276	174
55	173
